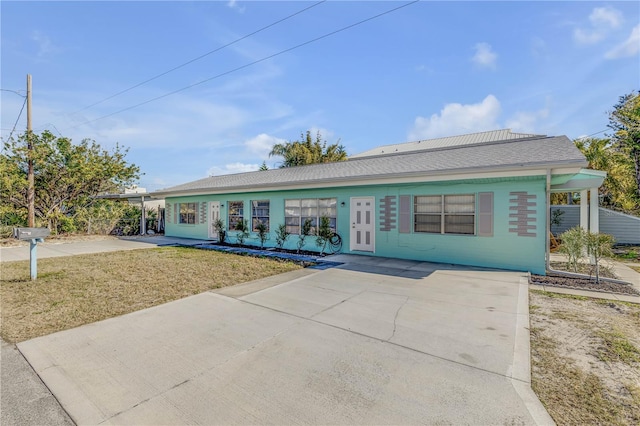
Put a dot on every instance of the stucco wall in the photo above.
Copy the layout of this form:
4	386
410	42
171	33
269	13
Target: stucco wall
506	249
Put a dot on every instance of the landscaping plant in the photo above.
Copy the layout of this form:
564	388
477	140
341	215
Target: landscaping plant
598	246
218	225
281	235
243	231
261	229
305	231
324	233
573	245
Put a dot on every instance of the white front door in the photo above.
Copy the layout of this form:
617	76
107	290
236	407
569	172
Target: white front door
214	215
363	227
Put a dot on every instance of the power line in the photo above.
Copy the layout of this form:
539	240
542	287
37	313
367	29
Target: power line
249	64
200	57
14	91
17	119
592	134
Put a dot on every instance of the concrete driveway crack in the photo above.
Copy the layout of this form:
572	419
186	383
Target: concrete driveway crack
395	318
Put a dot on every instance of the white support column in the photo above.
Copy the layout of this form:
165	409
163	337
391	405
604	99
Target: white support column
594	210
584	211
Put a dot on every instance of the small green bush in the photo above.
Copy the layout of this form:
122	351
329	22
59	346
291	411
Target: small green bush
261	229
598	246
281	235
305	231
573	245
324	233
243	231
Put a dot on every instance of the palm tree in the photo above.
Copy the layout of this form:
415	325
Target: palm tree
308	151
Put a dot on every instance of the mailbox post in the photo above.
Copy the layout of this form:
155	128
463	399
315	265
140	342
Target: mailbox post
34	236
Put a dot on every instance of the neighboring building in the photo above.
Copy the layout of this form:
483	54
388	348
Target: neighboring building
478	199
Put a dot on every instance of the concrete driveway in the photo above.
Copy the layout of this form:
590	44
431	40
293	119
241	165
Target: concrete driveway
374	341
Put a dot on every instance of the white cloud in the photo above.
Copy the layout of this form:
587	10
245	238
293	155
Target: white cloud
457	119
261	145
587	36
485	56
606	16
602	19
45	45
232	168
523	121
629	47
233	4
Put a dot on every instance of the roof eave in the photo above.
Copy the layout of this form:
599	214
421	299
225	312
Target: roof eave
506	168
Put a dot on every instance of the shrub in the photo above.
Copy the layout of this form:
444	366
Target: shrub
218	225
305	231
261	229
573	245
324	233
243	231
598	246
281	235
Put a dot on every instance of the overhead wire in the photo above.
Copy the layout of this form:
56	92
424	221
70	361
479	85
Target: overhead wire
248	64
200	57
17	119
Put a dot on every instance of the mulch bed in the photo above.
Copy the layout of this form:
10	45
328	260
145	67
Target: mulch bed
555	280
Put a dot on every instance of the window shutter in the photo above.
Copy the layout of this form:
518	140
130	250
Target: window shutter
404	217
196	213
176	213
485	214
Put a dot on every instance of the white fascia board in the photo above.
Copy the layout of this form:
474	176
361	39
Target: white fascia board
376	180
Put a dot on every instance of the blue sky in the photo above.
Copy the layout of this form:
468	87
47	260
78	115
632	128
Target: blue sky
427	70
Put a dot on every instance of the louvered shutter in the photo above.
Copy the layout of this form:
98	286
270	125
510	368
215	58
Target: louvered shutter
485	214
404	216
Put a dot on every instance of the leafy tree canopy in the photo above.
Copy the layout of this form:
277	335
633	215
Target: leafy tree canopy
308	150
618	189
624	120
67	176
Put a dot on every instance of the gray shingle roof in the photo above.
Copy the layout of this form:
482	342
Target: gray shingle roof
501	155
449	141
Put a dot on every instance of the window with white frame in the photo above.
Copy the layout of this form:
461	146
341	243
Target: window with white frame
296	211
445	214
187	213
259	213
236	213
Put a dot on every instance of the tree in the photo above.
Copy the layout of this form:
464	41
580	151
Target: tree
618	189
263	166
308	151
624	120
67	176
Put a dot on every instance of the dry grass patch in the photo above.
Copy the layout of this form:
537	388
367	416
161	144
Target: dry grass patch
585	359
72	291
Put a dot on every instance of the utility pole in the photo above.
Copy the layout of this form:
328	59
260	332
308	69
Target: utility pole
31	218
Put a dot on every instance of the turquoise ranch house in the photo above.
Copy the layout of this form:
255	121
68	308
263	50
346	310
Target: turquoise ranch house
480	199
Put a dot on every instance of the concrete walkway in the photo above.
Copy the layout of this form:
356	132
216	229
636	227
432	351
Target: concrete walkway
24	399
373	341
61	249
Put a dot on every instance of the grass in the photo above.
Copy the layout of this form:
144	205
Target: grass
616	347
559	295
571	396
575	394
72	291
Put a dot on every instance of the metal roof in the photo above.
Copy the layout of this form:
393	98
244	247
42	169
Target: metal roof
450	141
513	154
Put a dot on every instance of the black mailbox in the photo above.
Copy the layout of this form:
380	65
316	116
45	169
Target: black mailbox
30	233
